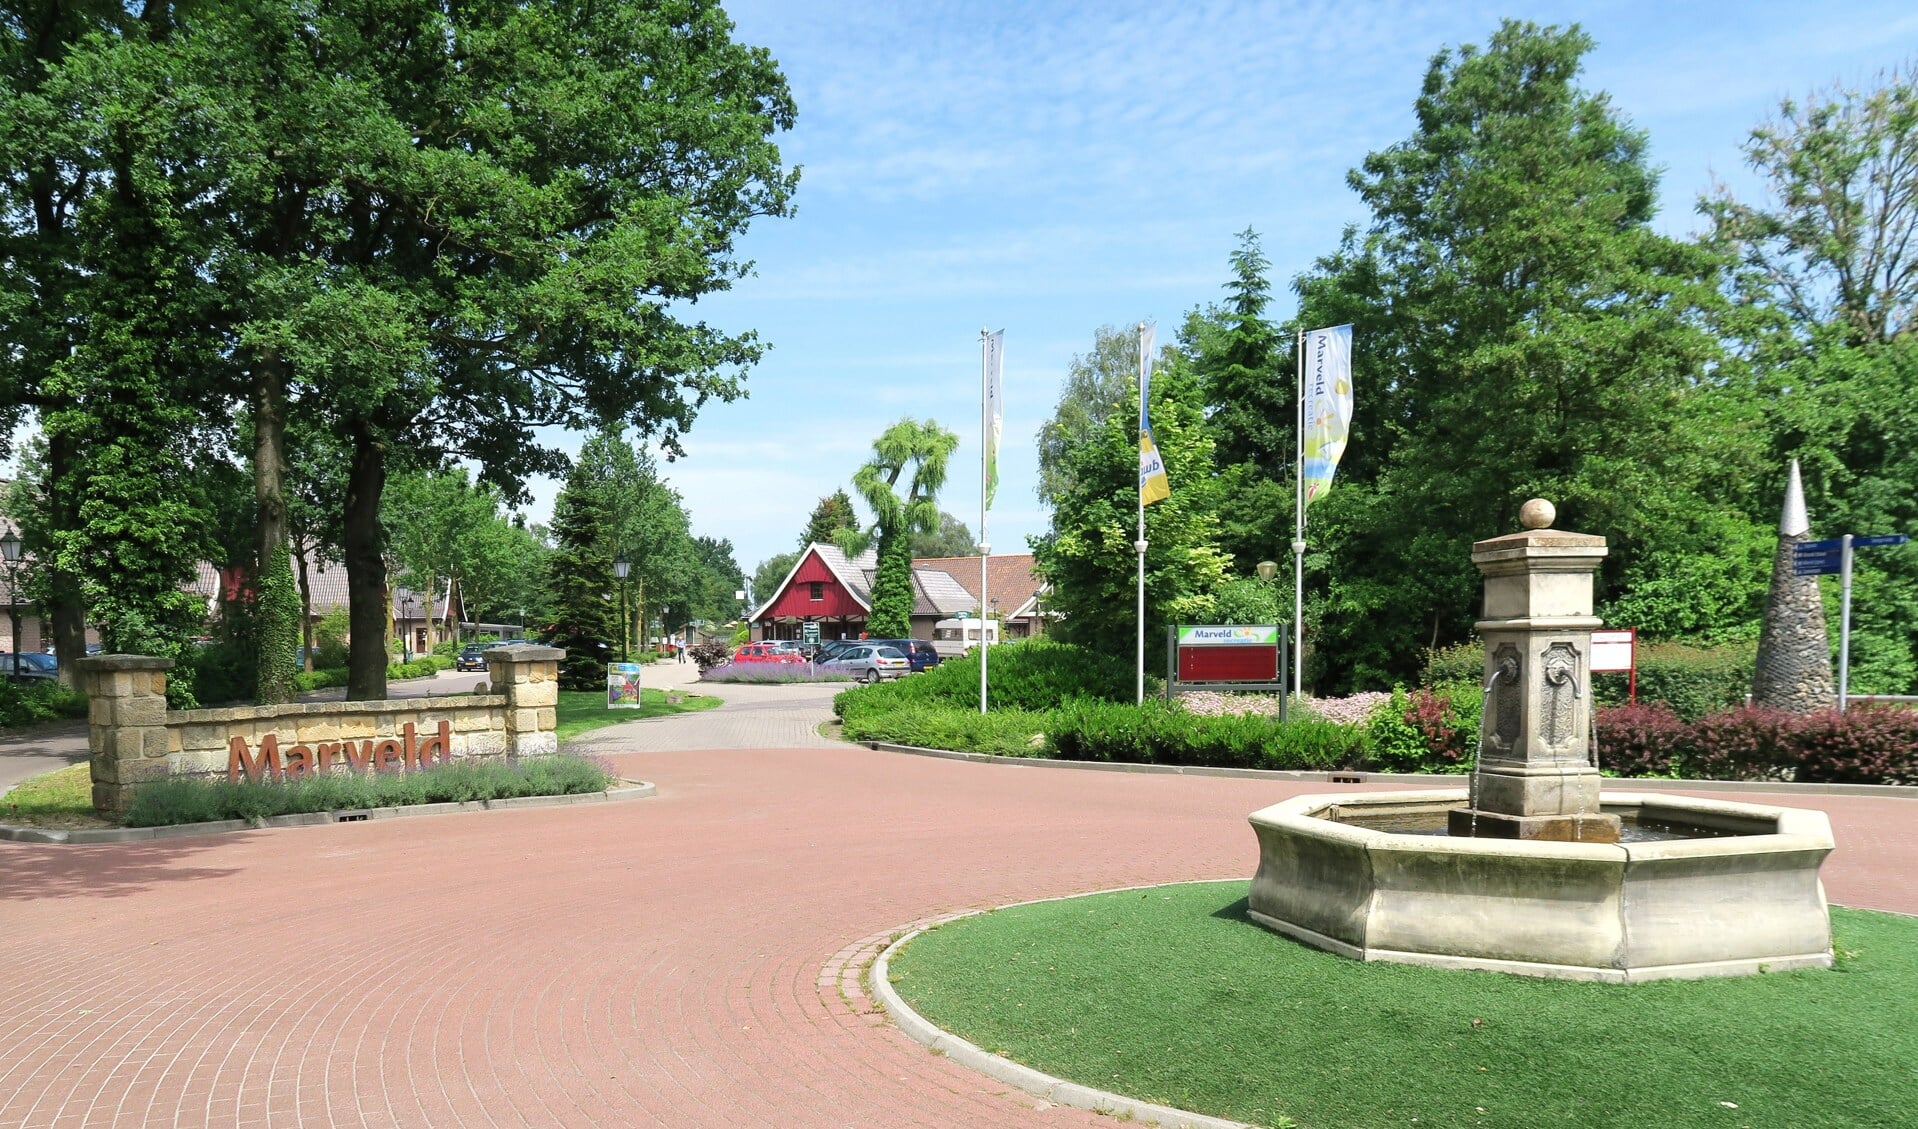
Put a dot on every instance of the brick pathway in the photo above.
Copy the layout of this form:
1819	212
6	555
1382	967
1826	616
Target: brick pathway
689	960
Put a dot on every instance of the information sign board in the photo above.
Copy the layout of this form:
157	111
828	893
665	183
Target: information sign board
809	631
1228	653
622	686
1612	651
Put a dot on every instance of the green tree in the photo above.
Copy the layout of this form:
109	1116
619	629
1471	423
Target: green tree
769	574
584	619
1520	330
449	536
833	515
923	447
1251	409
953	538
1828	293
1088	554
1095	389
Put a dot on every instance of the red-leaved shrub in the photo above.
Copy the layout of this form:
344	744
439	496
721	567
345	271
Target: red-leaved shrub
1432	714
1864	745
1746	743
1646	739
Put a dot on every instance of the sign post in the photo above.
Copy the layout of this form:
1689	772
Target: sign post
1616	652
809	631
1816	558
1227	657
622	686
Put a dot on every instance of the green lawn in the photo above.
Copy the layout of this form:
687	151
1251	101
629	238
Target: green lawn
1173	995
583	710
62	794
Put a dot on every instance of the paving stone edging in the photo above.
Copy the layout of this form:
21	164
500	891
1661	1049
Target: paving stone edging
634	790
1360	776
1037	1083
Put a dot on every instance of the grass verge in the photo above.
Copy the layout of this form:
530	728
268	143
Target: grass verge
61	798
1173	995
581	711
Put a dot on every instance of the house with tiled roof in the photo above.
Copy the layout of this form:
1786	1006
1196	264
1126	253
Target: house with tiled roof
833	590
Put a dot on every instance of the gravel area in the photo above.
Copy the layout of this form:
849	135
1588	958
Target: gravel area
1214	703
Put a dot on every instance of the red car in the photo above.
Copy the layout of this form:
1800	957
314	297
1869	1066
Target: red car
767	653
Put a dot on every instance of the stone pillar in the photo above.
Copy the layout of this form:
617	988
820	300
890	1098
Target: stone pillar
529	678
1794	652
126	724
1535	779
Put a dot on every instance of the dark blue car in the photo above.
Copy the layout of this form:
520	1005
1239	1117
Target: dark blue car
918	650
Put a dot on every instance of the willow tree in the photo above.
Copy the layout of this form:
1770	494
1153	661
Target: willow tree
923	448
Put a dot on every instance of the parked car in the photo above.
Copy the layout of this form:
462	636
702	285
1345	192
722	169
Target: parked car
870	662
34	667
918	651
471	657
833	648
768	652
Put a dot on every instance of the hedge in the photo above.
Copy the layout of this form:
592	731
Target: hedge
1033	674
36	700
1692	680
1009	733
1864	745
423	667
1160	733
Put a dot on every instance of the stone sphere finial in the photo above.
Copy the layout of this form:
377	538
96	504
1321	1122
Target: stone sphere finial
1537	514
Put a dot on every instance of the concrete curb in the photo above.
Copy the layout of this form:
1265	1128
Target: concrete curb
1634	783
634	790
1037	1083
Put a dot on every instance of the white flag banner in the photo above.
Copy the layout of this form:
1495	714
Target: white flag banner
1328	405
1153	484
995	415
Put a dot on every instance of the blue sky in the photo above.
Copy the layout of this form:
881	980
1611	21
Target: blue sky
1047	168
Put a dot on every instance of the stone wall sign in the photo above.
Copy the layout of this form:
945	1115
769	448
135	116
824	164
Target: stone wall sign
133	738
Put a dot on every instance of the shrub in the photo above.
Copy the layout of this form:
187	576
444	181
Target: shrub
1646	739
1747	743
28	703
1864	745
1034	674
1003	732
1157	733
1693	680
1424	730
194	799
709	655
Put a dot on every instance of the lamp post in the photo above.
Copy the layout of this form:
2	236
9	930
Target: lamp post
406	628
622	568
10	549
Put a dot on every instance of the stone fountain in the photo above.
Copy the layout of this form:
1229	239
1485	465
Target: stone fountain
1532	870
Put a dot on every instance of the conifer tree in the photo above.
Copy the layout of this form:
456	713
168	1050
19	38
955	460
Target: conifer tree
579	580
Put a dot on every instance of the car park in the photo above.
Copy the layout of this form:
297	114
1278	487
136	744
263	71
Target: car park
869	662
917	651
471	657
767	652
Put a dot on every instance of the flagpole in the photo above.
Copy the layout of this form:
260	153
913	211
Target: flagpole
985	486
1140	544
1298	525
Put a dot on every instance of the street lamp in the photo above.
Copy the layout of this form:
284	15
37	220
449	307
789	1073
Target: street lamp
406	628
1267	570
10	549
622	568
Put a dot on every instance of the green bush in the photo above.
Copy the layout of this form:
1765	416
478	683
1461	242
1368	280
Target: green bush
1160	733
1008	733
1031	675
31	702
1424	730
1694	680
424	666
195	799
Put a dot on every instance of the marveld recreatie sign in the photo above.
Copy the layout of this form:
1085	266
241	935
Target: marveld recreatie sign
407	753
1229	653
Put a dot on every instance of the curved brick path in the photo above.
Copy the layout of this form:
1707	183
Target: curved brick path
689	960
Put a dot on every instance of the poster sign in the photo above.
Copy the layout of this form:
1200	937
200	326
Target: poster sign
809	631
1612	651
622	686
1228	653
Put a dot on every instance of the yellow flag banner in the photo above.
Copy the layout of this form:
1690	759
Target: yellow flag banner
1153	484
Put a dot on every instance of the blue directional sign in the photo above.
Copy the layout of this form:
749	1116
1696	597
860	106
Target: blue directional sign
1816	564
1829	545
1879	539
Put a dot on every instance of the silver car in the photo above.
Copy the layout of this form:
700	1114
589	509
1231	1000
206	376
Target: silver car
869	663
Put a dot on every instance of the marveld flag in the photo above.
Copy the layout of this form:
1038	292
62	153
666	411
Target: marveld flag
995	360
1328	405
1153	484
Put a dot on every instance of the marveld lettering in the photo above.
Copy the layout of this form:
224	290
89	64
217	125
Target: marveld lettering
380	754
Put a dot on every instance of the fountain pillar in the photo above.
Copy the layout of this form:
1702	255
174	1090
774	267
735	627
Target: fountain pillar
1535	777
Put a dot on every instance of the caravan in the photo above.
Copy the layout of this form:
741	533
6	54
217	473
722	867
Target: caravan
954	637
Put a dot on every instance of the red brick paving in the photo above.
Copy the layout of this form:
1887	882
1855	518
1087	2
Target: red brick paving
689	960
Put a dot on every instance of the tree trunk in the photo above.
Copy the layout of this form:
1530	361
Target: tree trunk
269	502
65	608
362	544
306	604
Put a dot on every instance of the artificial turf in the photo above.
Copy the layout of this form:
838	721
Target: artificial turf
1172	994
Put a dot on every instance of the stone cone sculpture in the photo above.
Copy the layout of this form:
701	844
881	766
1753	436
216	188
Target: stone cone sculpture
1794	652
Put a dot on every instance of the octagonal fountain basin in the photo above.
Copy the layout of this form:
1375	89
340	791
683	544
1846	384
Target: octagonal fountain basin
1714	889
